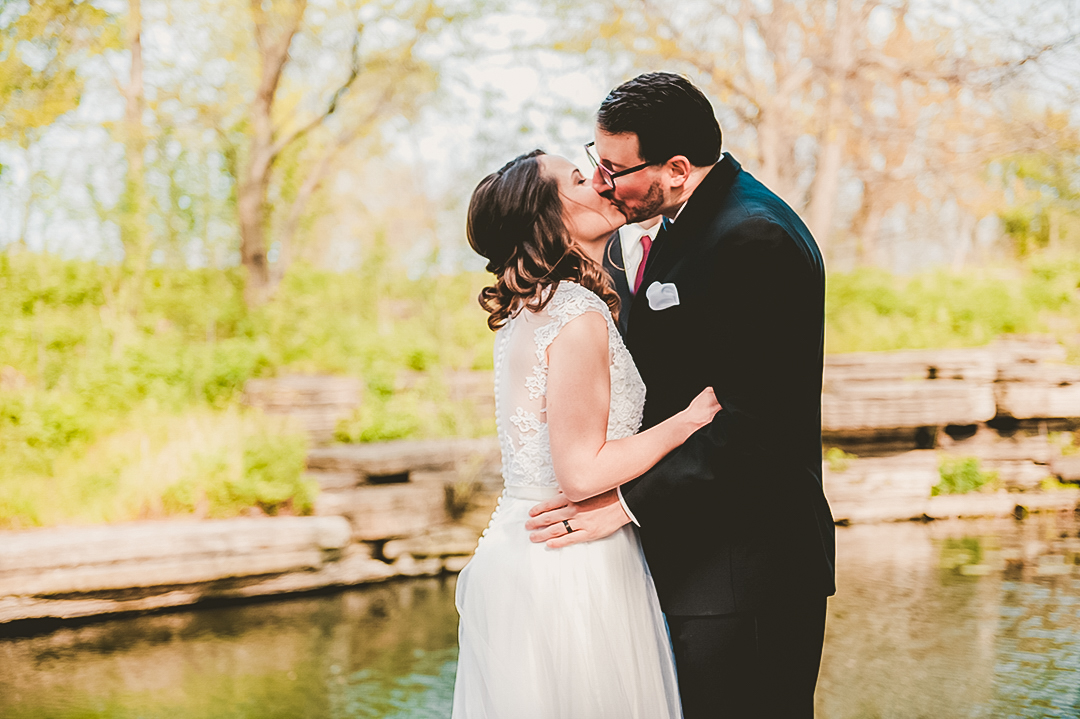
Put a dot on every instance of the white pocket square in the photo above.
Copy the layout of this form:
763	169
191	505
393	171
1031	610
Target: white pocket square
662	295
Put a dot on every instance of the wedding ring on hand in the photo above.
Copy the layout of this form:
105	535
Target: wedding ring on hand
569	529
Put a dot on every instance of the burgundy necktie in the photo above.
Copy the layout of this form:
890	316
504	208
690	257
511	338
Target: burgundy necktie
646	245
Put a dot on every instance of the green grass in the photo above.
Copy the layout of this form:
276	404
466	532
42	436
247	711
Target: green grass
85	382
110	400
870	310
205	463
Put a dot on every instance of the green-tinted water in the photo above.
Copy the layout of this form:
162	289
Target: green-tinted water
949	619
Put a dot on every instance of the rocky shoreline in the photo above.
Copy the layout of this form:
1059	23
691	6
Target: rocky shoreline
416	508
56	575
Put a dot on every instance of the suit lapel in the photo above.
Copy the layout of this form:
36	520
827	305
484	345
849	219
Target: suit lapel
700	211
615	266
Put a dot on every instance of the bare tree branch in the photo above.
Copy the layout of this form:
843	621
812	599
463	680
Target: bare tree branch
354	72
315	178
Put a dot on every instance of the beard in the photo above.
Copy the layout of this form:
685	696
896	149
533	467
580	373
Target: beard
647	208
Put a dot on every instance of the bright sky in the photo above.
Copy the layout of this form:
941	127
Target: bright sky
494	105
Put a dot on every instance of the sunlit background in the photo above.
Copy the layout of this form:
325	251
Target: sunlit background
199	195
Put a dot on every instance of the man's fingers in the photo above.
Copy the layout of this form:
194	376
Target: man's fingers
575	537
547	506
555	516
545	534
557	536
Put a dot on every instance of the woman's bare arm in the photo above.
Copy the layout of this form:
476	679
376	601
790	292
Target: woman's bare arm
578	398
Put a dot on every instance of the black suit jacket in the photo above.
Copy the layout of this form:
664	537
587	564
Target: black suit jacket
616	269
736	517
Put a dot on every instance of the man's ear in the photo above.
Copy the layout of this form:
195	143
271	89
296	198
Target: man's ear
678	169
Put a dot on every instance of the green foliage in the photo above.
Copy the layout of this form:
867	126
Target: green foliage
1044	189
1053	484
204	462
379	420
873	310
106	416
838	460
41	46
78	380
960	475
1068	443
960	552
270	477
36	426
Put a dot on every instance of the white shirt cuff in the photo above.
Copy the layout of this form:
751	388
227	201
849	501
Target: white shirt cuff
618	491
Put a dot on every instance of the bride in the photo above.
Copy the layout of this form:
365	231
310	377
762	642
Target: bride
571	633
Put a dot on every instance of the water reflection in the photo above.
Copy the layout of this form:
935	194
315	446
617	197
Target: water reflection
964	619
379	652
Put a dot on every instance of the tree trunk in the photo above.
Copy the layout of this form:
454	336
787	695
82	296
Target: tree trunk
869	253
866	224
965	240
254	181
251	208
768	136
133	230
826	184
1053	231
28	204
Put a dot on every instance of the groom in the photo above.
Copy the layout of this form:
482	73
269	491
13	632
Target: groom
734	524
625	258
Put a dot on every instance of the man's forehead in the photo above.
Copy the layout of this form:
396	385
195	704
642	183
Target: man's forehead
623	148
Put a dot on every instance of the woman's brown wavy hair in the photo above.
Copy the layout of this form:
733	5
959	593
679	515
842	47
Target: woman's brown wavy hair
516	223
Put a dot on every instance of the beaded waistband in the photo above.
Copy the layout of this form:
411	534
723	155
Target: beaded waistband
535	493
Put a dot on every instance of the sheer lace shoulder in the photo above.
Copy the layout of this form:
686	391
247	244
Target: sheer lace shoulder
570	301
521	371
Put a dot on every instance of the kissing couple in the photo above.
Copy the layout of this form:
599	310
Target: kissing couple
663	547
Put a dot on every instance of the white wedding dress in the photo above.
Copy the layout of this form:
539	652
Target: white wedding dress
571	633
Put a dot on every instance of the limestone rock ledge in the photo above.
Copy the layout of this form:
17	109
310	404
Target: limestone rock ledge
897	488
76	572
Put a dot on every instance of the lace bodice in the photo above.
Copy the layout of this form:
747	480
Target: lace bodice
521	384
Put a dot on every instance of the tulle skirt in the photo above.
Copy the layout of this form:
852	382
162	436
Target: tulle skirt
571	633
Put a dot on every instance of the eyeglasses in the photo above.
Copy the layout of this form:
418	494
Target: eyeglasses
605	173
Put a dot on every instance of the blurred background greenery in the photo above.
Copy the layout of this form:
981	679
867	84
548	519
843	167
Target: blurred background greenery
196	193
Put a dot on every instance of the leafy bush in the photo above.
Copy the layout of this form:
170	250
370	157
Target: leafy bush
269	476
1068	443
960	475
204	463
837	459
873	310
113	397
272	476
87	382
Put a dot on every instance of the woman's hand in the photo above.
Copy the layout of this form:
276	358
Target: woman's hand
702	409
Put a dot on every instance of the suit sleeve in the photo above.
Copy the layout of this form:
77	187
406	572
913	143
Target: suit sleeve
767	345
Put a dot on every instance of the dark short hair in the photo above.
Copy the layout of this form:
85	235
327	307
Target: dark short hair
669	115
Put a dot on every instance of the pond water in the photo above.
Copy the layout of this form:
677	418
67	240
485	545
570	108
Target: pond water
974	618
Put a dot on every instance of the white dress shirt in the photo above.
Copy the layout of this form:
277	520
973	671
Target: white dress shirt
632	252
